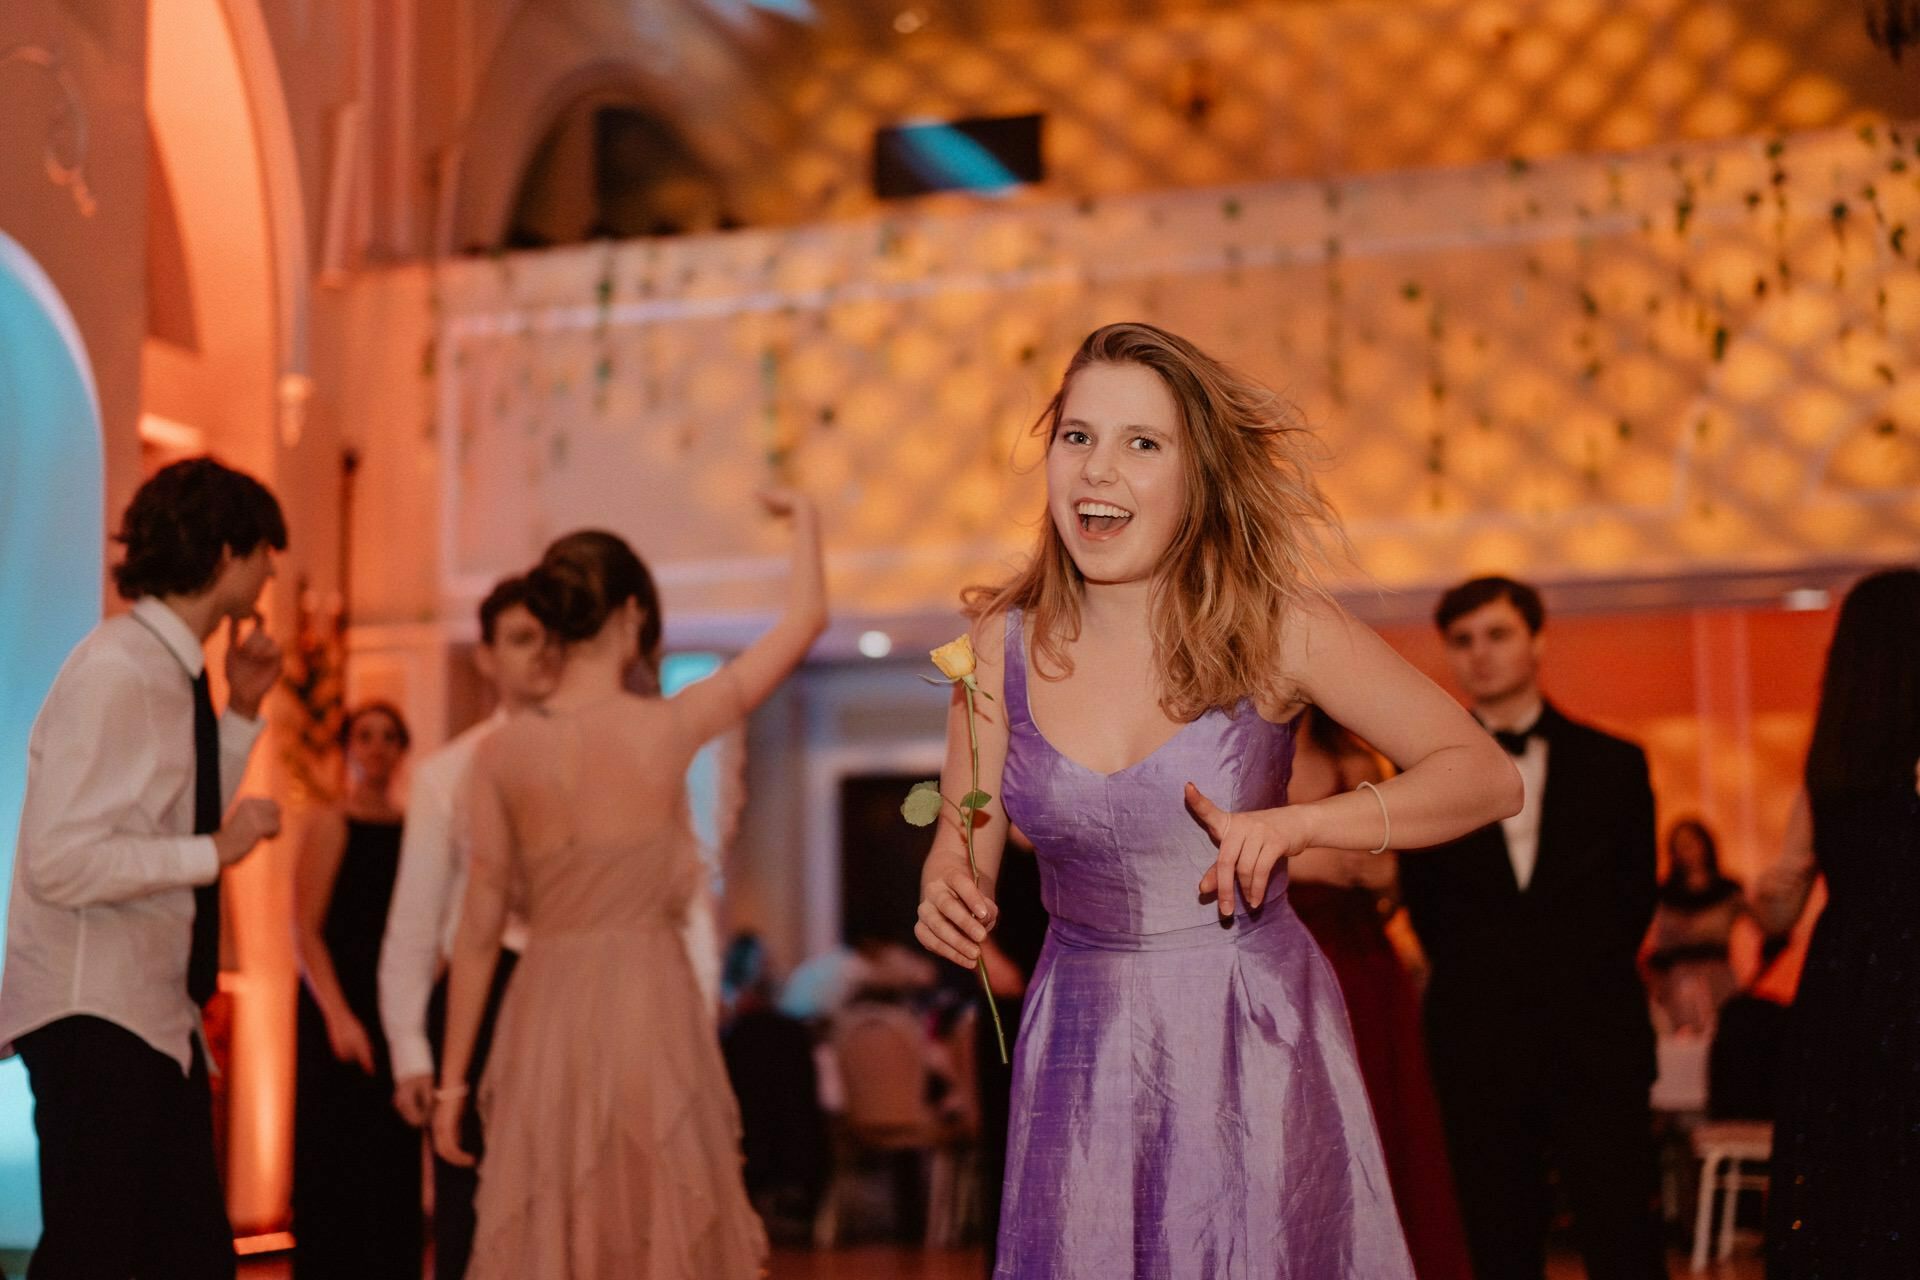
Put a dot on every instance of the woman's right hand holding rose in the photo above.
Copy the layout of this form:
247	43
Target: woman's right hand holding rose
955	914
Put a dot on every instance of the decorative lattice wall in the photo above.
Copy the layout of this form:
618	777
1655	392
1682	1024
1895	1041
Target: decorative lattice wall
1668	362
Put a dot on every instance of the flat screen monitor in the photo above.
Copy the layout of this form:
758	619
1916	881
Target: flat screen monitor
989	154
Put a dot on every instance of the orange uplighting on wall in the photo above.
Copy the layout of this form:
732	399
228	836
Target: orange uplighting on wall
216	366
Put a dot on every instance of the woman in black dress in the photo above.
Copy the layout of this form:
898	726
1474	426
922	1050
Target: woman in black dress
1845	1196
356	1163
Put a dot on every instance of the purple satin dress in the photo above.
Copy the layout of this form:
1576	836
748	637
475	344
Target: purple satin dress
1186	1100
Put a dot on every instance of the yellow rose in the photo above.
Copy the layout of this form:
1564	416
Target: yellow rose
955	658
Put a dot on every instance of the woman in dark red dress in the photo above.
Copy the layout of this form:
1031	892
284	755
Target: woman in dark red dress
1346	900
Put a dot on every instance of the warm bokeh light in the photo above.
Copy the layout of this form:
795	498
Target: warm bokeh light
1576	351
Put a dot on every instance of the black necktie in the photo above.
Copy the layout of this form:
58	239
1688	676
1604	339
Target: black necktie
203	961
1515	741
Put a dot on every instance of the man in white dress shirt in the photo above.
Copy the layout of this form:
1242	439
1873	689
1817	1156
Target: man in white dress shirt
1537	1024
113	930
515	656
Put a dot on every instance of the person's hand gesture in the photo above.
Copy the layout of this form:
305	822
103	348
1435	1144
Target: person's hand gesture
251	820
253	666
413	1099
1251	844
350	1043
449	1109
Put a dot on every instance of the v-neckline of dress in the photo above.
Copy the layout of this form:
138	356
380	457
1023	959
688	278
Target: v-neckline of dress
1026	700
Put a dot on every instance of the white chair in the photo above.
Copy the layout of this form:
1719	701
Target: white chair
1681	1083
1679	1101
1724	1148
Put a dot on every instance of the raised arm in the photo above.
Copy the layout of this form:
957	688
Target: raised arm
476	945
955	915
744	683
319	866
1453	777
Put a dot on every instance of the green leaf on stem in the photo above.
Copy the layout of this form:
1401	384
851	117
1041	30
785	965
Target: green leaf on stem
922	806
975	800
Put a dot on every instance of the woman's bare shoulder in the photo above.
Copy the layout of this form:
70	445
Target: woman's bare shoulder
988	633
328	823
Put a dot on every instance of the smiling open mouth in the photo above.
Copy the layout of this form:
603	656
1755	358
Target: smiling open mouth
1100	518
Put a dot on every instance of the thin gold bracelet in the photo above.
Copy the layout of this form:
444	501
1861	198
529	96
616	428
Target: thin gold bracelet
1386	837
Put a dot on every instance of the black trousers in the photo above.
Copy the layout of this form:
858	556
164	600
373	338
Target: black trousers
453	1186
129	1184
1510	1123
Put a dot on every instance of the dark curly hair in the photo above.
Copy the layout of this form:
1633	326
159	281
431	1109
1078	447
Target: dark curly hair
582	579
183	518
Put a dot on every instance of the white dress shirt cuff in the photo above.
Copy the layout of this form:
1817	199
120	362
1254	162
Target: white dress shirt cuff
201	861
238	733
412	1056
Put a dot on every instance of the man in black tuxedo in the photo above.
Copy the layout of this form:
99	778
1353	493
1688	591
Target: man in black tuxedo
1537	1023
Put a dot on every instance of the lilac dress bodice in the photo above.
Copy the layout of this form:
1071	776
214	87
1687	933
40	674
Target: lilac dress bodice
1119	853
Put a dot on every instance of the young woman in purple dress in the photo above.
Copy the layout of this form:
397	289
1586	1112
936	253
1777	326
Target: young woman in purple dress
1187	1103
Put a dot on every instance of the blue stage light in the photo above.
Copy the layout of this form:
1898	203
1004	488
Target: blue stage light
52	544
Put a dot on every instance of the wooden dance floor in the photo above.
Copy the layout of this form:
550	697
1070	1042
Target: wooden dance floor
880	1262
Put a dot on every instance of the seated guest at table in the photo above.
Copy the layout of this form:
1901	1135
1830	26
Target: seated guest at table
356	1162
1690	972
823	985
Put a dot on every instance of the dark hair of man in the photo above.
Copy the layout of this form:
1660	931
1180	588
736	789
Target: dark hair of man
1481	592
181	520
508	593
1867	732
377	707
582	579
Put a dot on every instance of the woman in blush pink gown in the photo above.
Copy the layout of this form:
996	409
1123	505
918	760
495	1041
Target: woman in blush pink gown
612	1137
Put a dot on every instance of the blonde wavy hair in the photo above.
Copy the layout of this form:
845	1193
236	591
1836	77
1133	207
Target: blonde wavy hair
1253	541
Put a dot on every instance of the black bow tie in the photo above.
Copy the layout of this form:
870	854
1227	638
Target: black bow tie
1515	740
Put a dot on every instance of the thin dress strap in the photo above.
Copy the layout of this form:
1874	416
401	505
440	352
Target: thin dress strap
1014	683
